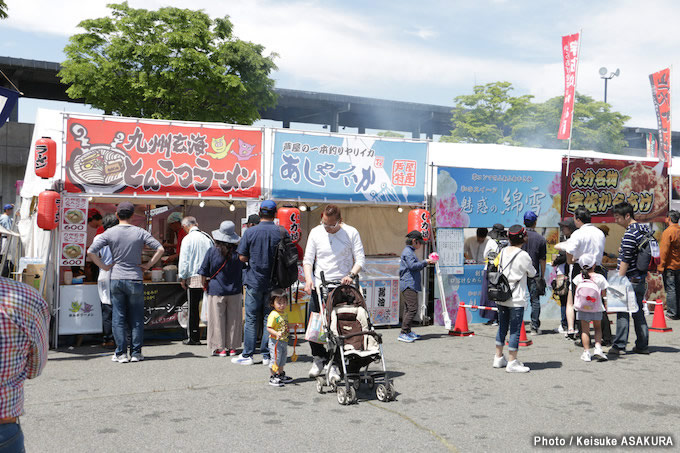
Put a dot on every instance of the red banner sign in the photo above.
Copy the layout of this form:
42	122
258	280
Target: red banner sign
661	93
600	184
162	159
570	48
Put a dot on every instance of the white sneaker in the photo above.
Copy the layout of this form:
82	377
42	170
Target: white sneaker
123	358
265	361
560	329
334	374
516	367
599	355
137	357
499	362
585	356
240	360
317	366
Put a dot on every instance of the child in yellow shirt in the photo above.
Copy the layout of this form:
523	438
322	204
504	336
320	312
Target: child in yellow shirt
277	326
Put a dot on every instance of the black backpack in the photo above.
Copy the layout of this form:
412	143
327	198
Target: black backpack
648	256
285	268
498	285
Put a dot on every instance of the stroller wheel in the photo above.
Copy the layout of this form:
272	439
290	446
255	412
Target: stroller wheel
352	396
381	393
355	384
391	393
319	384
342	396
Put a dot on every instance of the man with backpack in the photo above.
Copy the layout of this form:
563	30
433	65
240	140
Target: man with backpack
628	266
669	265
536	247
258	248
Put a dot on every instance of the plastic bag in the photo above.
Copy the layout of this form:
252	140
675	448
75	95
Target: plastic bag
620	295
315	329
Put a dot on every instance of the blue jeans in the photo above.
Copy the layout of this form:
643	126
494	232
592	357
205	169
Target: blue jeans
623	322
509	317
532	285
127	298
11	438
257	309
671	281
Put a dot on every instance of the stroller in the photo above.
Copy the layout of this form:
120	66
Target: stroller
352	344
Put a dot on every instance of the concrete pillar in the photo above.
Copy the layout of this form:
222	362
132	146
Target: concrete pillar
335	121
14	116
286	124
362	130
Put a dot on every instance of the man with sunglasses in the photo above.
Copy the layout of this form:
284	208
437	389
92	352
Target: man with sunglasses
335	249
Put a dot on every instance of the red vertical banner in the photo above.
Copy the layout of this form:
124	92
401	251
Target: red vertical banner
570	47
661	93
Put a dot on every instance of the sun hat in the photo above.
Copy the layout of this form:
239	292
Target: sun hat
226	233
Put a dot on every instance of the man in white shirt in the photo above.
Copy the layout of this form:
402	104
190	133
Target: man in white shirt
195	245
474	246
335	249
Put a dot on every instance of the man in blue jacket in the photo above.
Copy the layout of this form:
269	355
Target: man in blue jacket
409	283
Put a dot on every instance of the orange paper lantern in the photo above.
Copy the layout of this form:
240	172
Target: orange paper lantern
45	157
289	218
49	203
419	220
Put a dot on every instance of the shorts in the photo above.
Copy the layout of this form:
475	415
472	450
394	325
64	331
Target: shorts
278	354
589	315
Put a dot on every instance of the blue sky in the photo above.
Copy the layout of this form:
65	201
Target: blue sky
427	52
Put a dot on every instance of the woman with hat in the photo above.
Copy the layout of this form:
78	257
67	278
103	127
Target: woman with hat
222	273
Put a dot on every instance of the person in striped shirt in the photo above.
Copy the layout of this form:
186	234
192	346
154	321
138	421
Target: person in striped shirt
627	266
24	330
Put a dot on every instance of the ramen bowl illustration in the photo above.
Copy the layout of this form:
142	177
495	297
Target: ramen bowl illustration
74	216
72	251
99	168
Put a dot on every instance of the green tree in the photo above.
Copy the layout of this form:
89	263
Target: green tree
595	126
171	64
488	115
3	9
390	134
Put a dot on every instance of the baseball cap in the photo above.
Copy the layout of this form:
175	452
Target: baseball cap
174	217
125	208
268	205
253	218
8	206
530	216
415	234
586	261
516	230
92	212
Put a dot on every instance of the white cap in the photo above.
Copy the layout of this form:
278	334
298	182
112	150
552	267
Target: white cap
587	261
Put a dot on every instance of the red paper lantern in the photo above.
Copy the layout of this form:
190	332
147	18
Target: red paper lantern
289	218
49	203
45	157
419	220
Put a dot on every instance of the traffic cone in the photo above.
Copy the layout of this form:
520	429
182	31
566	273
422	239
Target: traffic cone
460	329
523	340
659	320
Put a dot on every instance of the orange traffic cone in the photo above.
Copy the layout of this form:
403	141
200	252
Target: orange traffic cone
659	320
523	340
460	329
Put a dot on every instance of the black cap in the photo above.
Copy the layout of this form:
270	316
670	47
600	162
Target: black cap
415	234
516	230
254	219
125	208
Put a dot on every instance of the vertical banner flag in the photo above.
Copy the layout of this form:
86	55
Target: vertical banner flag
661	93
570	54
652	146
8	99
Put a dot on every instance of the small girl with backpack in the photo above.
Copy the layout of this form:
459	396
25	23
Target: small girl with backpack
589	296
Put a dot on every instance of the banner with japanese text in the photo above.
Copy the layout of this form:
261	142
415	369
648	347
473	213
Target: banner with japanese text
661	93
570	48
153	158
600	184
473	197
348	168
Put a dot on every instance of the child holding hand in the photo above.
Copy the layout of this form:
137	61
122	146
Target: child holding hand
277	326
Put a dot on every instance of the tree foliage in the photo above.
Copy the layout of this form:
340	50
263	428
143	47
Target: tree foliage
390	134
170	64
492	115
3	9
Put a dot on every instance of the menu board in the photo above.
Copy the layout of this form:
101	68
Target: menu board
73	228
450	243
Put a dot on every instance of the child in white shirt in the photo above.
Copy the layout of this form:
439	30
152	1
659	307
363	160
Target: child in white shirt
591	307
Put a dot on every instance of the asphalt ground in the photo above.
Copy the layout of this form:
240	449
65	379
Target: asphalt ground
449	398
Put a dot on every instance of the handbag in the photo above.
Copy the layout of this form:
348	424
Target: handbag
560	285
315	330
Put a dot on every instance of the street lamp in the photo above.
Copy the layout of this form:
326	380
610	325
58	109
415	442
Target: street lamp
603	75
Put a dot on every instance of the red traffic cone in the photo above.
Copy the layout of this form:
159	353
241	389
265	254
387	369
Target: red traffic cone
659	320
460	329
523	340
